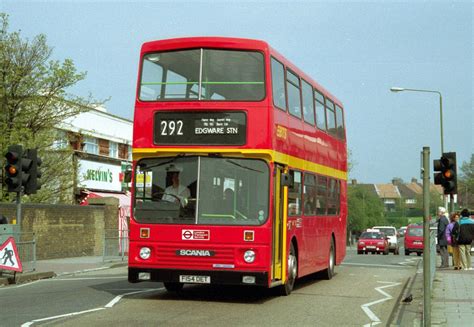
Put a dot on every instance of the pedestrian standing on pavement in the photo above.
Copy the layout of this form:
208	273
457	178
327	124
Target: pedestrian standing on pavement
443	222
465	226
453	247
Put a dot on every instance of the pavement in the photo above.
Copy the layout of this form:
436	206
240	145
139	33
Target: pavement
452	299
60	267
452	302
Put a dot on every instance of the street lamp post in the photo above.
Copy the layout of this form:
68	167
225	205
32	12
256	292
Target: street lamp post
426	200
401	89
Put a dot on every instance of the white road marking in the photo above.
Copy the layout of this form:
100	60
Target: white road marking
372	265
365	307
29	323
119	297
108	305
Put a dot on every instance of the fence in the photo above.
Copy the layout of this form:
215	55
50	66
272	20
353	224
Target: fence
115	244
25	243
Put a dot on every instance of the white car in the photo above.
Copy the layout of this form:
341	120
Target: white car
391	233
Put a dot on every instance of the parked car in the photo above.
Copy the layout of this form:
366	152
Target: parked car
392	234
414	239
372	241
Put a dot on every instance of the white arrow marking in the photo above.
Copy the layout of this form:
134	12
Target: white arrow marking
365	307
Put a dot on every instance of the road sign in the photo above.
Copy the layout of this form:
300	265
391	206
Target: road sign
9	258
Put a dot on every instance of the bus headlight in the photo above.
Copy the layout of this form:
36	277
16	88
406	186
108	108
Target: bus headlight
145	253
249	256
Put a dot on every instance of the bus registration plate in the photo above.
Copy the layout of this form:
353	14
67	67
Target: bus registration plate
195	279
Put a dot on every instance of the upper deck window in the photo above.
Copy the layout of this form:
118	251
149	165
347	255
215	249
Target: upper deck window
278	84
308	103
320	113
341	133
203	74
331	117
293	90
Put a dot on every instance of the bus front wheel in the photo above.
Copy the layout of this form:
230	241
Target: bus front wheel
292	271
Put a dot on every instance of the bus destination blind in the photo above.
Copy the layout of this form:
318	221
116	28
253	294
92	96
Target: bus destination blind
200	128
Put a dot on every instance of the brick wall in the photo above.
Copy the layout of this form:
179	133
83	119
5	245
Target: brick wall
65	230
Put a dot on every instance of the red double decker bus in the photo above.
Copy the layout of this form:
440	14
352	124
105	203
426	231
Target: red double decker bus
239	167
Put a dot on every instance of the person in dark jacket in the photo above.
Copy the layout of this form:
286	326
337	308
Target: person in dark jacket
465	229
443	222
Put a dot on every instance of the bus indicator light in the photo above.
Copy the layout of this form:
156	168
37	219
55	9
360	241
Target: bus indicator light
249	235
144	233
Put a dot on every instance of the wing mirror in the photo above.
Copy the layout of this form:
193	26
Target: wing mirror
286	180
127	176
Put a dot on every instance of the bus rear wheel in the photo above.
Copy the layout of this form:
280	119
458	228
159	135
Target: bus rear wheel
292	272
328	273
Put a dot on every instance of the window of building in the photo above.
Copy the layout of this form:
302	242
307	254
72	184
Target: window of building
341	133
129	153
278	84
113	149
61	141
308	103
91	145
293	91
320	112
294	194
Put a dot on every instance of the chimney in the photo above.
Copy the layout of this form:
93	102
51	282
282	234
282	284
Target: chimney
397	181
354	182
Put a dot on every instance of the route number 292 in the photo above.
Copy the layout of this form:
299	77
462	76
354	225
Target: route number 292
171	127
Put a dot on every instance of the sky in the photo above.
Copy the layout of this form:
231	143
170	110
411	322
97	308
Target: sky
357	50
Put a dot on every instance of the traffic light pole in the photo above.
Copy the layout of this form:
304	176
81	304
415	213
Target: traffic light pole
426	239
18	209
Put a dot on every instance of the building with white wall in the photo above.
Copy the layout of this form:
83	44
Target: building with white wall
102	151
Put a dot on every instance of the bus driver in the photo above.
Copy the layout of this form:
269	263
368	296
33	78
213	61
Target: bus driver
176	190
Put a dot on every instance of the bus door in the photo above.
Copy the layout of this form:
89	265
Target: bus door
279	224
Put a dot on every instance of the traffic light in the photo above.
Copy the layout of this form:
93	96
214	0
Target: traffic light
445	172
33	184
17	168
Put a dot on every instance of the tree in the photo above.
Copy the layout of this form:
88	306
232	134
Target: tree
33	103
364	208
466	184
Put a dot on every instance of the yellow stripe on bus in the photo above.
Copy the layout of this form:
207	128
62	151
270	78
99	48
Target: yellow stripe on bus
269	155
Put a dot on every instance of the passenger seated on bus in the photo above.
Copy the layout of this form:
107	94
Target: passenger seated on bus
310	203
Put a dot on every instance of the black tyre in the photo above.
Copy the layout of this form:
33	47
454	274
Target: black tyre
328	273
173	287
132	276
360	252
292	272
407	252
419	254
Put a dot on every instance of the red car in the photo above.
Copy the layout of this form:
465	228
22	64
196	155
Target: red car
414	239
372	241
